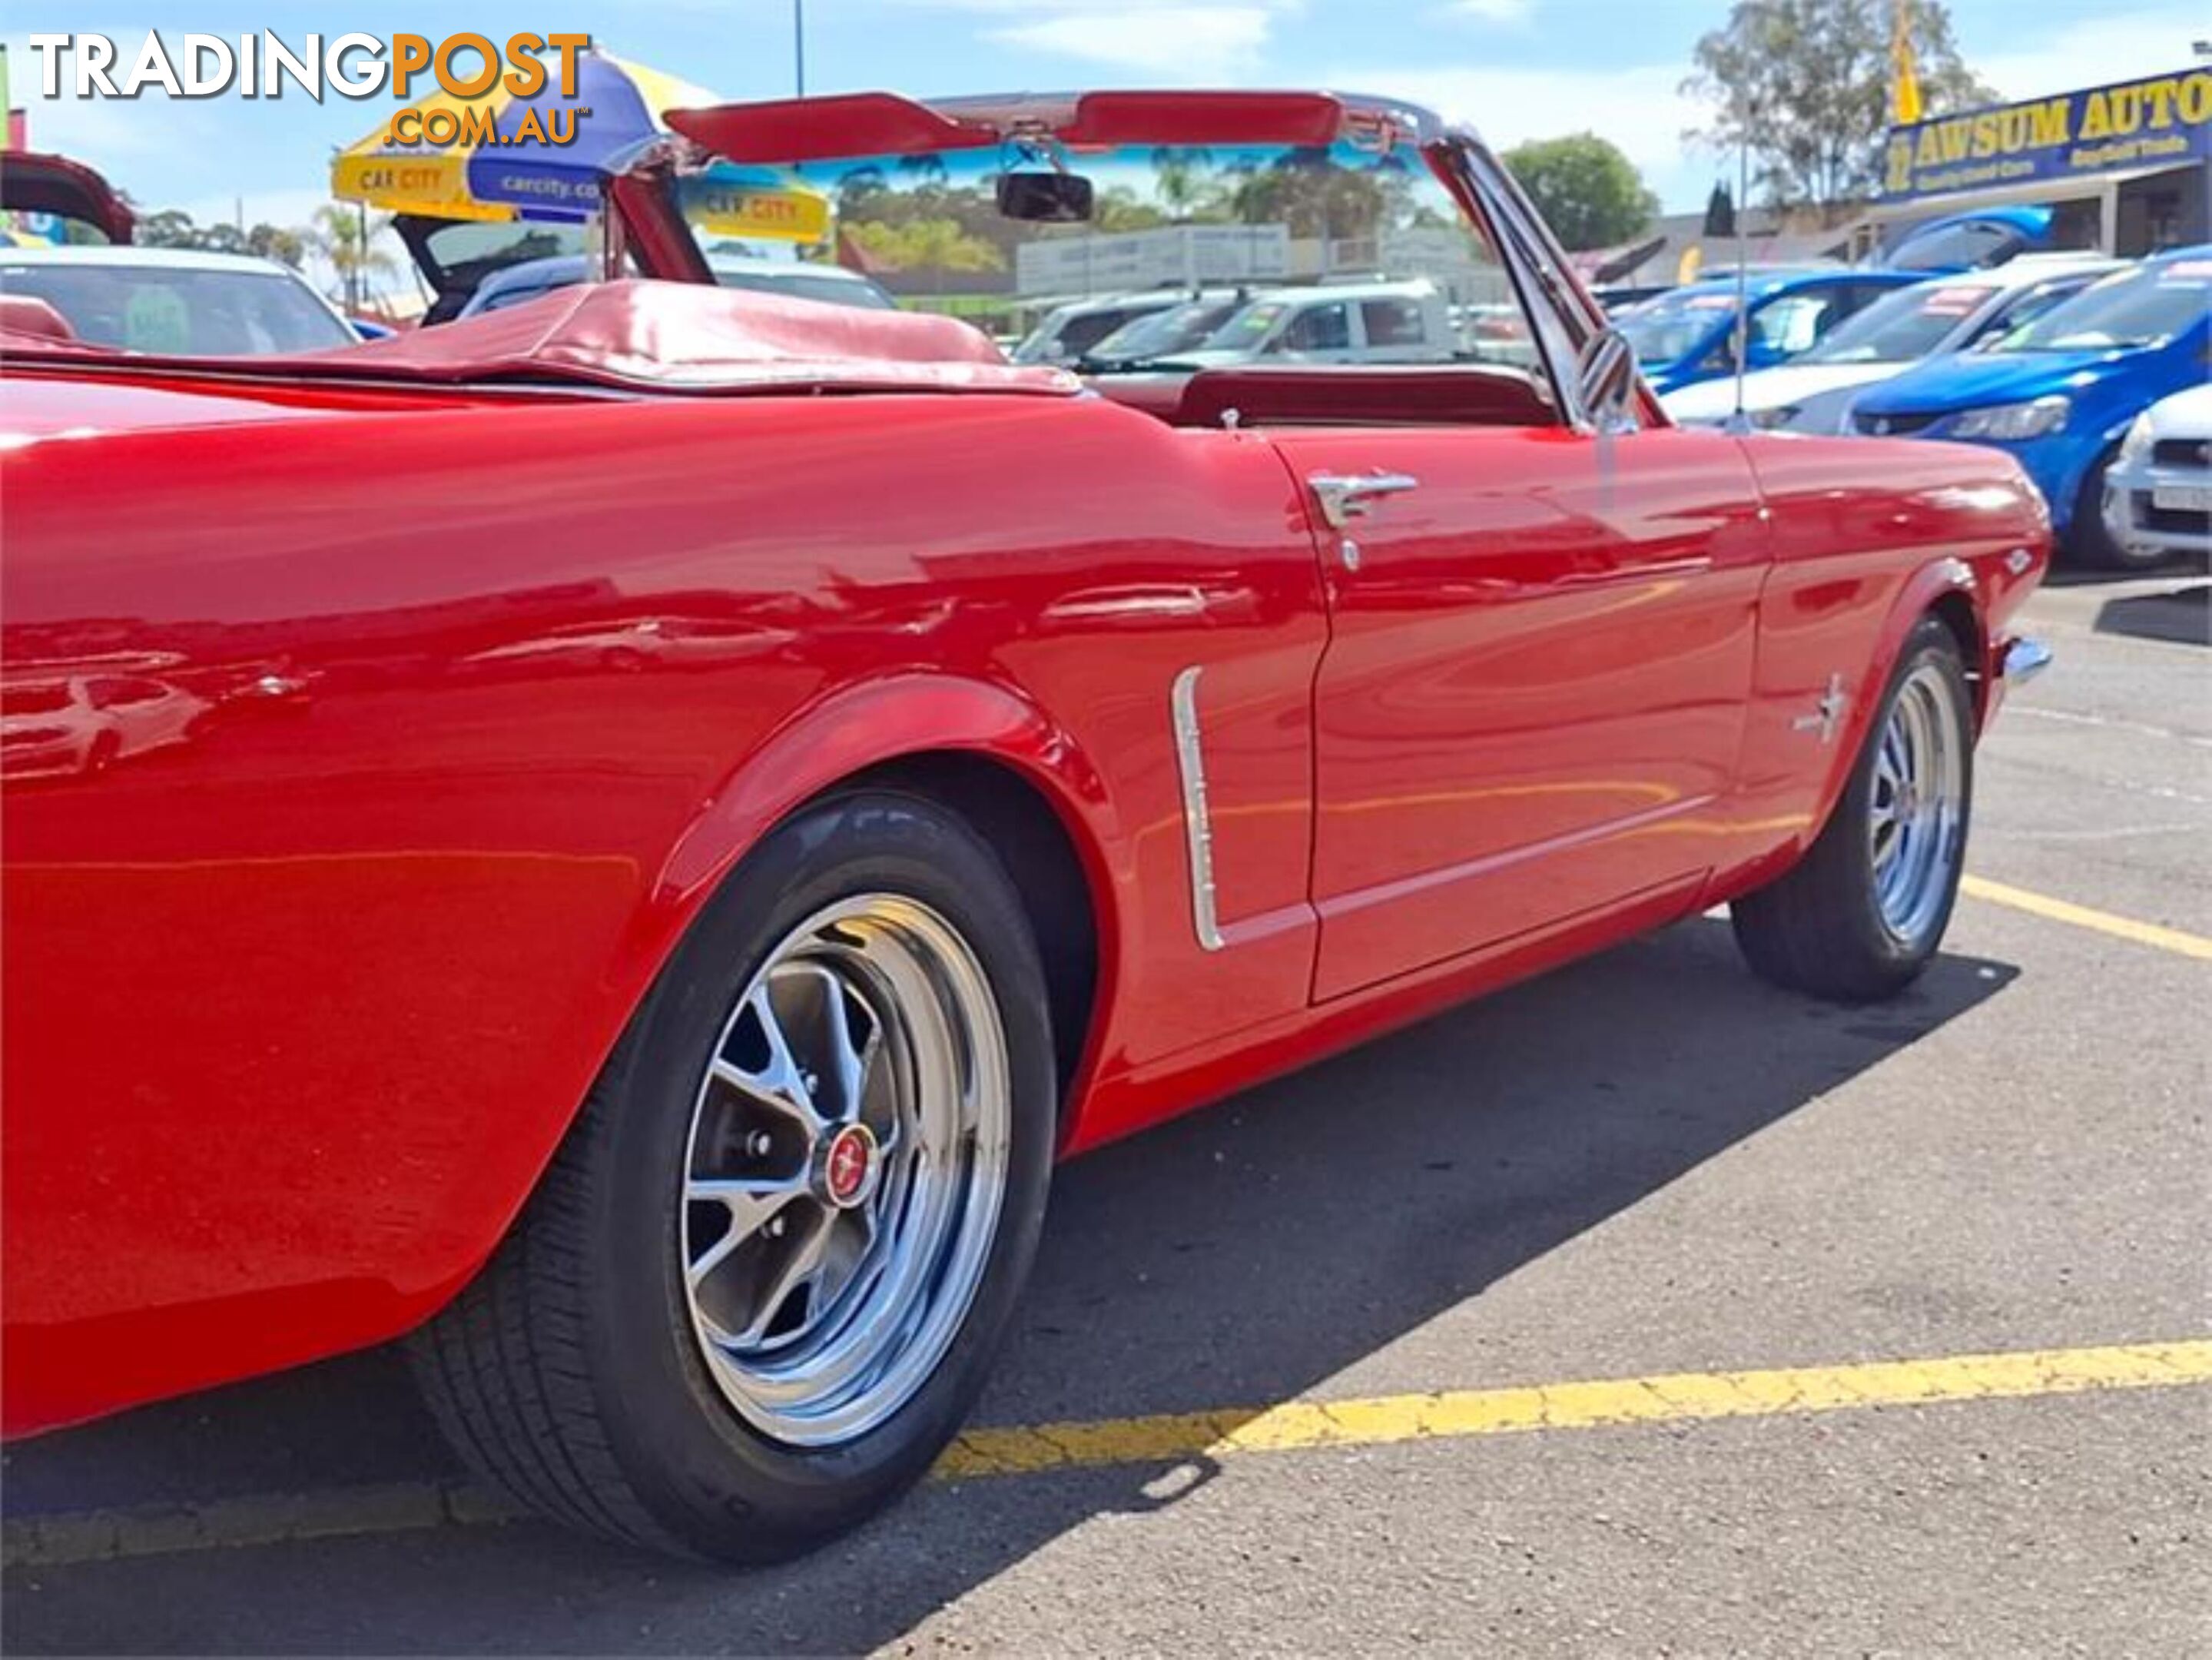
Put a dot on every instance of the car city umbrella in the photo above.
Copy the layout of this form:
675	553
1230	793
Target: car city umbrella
492	156
499	160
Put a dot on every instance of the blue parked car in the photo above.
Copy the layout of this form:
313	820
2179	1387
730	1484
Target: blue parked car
1685	336
1973	240
2059	393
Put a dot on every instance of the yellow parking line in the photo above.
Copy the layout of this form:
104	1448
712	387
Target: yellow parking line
2082	917
76	1536
1665	1399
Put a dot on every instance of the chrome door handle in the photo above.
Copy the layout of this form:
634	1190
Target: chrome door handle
1343	498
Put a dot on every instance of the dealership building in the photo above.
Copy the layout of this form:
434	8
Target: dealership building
2124	167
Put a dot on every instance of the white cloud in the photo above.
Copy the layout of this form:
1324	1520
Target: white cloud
1639	108
2092	51
1178	42
1494	11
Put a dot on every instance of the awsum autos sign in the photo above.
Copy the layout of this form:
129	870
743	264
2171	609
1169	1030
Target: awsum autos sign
2161	120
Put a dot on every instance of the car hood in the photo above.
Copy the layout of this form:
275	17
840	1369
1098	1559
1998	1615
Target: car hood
1972	380
2184	415
1769	389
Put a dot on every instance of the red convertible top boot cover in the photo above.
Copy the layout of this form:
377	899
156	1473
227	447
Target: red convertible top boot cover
673	336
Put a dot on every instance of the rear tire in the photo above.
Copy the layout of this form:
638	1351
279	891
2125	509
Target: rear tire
721	1327
1861	914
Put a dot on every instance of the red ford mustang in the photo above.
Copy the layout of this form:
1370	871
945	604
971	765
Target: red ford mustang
692	801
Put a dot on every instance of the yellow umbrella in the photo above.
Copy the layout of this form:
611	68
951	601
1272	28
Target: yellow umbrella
485	157
497	154
420	177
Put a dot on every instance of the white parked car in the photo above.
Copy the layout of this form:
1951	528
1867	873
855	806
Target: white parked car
85	723
1067	332
179	300
1406	322
2158	489
1814	392
1168	334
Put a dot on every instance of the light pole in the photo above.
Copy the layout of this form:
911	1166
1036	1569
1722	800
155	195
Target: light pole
798	46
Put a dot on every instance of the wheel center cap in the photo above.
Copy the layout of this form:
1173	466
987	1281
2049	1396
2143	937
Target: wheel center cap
848	1166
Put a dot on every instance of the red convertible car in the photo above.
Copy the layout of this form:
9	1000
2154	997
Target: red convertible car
755	783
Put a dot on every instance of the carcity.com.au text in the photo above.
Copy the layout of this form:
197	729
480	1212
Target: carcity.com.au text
464	66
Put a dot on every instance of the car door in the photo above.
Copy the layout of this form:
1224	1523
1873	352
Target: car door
1531	703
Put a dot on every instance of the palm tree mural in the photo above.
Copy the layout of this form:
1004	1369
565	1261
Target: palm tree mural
1180	182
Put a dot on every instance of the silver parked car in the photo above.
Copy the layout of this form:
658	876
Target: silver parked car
2158	489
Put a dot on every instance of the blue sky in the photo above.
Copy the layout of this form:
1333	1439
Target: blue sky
1517	68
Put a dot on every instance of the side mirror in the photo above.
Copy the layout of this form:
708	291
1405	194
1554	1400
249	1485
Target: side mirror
1604	369
1045	199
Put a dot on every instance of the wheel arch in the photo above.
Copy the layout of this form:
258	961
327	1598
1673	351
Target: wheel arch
982	749
1044	856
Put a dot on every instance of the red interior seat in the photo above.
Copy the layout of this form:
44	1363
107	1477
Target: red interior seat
1374	394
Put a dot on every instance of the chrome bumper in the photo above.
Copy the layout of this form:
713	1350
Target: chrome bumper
2024	659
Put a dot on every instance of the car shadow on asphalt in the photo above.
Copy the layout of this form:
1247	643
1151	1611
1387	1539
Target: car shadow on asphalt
1240	1256
2179	568
2181	616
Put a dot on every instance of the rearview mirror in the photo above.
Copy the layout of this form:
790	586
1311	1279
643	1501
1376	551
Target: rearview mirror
1605	370
1045	199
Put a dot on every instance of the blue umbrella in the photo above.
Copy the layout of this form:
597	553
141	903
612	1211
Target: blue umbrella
616	111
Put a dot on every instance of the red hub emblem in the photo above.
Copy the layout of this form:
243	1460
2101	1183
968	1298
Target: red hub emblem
848	1166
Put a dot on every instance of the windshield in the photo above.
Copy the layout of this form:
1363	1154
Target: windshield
1904	326
1071	332
2026	306
1164	333
1665	329
181	312
468	249
2143	308
1174	231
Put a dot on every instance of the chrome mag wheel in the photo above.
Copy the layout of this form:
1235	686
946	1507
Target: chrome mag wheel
845	1171
1916	820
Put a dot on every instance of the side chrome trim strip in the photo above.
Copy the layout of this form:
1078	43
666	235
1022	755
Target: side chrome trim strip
1197	826
2024	659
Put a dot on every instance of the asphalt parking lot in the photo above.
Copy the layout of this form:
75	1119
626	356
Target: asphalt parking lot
1310	1354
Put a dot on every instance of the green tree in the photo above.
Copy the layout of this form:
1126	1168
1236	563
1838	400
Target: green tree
1181	180
1119	208
1588	192
1804	84
937	246
345	235
173	228
1307	189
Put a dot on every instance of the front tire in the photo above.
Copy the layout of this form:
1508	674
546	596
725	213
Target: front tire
1861	914
763	1281
2090	539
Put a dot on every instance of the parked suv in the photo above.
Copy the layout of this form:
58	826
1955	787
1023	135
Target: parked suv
1406	322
